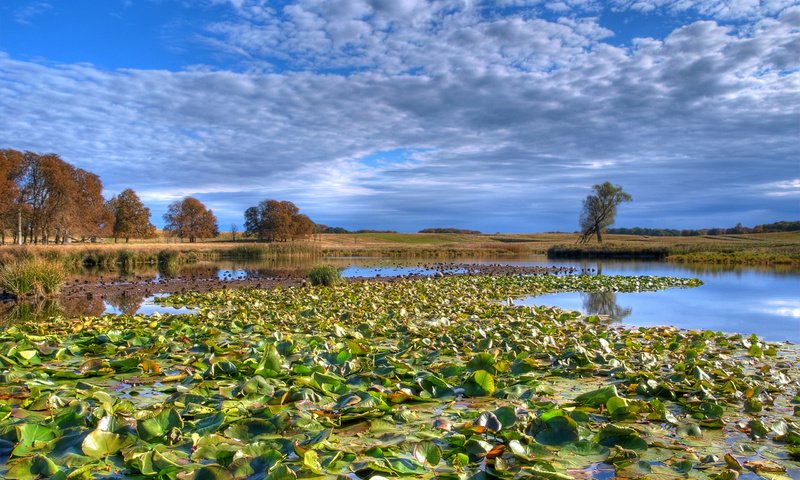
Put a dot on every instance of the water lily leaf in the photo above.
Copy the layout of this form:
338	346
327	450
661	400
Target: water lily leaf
617	406
507	416
210	423
250	429
31	468
481	383
598	397
406	466
33	437
427	453
100	444
271	364
585	448
481	361
311	461
156	428
282	472
212	472
611	435
221	369
558	430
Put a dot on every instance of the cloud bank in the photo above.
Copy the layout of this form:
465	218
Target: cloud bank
498	118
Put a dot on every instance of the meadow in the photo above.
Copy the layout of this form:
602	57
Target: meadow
765	248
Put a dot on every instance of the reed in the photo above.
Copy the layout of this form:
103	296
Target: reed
326	275
37	277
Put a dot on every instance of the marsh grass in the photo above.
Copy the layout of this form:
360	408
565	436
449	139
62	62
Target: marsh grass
38	277
326	275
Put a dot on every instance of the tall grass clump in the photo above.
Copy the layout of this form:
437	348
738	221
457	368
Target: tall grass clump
326	275
37	277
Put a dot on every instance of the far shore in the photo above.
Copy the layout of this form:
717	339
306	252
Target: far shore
762	248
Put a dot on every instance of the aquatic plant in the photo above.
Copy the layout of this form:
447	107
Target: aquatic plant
36	277
326	275
426	378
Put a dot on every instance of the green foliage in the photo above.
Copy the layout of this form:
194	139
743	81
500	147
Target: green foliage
424	377
600	208
326	275
38	277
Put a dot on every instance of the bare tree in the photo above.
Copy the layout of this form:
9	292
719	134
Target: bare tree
599	210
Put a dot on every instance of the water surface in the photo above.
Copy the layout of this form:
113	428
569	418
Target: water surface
764	301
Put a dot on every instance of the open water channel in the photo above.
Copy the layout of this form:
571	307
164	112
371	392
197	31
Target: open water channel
746	300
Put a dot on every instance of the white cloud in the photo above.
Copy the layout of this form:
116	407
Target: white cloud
510	111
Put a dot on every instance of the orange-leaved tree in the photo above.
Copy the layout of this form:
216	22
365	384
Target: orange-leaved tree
189	218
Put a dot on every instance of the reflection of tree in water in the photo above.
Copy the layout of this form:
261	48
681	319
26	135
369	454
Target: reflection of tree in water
16	312
126	303
604	303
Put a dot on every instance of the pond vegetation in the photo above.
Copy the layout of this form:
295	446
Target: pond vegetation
427	377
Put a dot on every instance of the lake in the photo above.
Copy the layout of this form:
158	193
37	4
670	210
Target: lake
764	301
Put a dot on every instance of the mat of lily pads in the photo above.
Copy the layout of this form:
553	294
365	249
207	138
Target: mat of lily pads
425	378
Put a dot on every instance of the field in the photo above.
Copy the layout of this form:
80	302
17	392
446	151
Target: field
768	249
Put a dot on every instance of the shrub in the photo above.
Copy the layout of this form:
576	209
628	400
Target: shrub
33	277
327	275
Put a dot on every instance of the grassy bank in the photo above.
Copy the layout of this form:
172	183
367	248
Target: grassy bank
764	249
112	256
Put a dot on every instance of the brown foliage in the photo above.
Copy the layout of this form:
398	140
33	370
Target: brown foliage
50	196
189	218
130	217
274	220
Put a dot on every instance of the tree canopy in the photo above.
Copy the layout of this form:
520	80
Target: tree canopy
130	217
42	196
599	210
189	218
274	220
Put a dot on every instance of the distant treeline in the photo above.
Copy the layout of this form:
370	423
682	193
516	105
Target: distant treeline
320	228
450	230
739	228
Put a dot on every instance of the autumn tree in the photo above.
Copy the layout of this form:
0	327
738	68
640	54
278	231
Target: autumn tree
189	218
274	220
11	206
599	210
130	217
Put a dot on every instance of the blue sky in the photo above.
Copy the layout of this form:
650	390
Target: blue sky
407	114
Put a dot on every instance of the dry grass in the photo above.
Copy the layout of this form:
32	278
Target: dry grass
785	246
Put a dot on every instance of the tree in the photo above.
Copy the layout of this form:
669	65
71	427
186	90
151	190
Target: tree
189	218
599	210
130	217
274	220
11	207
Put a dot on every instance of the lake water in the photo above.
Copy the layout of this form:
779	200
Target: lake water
743	300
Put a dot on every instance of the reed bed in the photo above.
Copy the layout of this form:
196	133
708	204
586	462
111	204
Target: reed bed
37	277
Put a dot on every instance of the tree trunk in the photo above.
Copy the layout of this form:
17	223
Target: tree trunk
19	227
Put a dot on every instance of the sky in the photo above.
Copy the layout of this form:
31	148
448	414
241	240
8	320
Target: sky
408	114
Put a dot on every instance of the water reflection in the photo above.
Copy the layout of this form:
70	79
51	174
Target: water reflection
761	300
604	303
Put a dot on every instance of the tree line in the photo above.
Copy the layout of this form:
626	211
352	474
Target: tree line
738	229
44	199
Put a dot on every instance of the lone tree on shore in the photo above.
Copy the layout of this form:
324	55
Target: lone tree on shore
273	220
189	218
599	210
131	217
